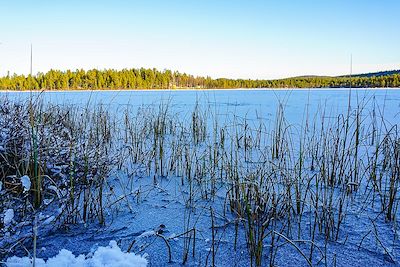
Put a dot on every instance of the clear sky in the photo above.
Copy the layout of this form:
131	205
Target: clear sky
221	38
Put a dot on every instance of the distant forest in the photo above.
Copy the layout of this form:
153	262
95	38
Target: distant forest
155	79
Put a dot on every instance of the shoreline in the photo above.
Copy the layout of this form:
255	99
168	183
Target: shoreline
203	89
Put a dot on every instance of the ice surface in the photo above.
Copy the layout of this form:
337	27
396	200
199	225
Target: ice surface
110	256
150	206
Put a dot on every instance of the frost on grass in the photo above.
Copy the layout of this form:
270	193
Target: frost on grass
111	256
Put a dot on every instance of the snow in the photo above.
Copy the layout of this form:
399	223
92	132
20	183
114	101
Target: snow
110	256
8	216
26	183
143	199
1	186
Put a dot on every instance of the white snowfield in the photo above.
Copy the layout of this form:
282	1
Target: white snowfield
110	256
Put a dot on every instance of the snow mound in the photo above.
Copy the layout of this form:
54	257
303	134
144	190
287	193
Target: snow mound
110	256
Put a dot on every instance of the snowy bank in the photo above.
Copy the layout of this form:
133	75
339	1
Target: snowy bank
111	256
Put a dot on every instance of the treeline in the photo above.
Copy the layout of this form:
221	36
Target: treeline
155	79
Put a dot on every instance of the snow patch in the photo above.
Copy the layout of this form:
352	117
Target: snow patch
111	256
26	183
8	216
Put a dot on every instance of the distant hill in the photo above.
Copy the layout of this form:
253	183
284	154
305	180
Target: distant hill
381	79
361	75
374	74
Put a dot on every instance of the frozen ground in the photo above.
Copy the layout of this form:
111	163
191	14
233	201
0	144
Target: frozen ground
156	218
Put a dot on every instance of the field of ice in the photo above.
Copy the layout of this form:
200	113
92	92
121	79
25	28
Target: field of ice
253	103
153	215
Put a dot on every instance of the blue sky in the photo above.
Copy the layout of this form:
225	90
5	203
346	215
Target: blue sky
232	38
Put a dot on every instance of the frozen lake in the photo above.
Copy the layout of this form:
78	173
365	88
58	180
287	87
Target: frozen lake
141	196
252	103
